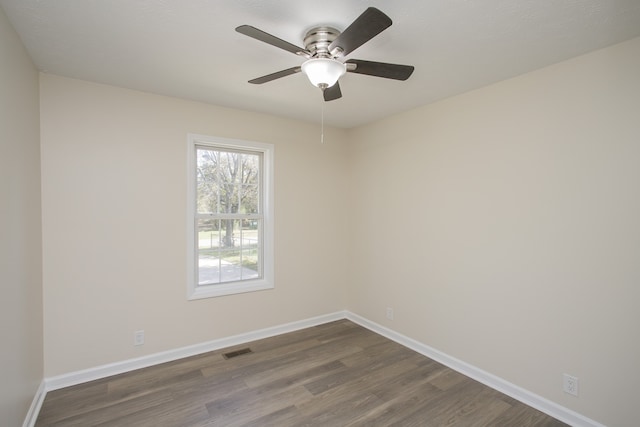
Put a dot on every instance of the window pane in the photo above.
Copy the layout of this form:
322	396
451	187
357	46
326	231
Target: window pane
229	181
207	197
207	183
250	201
208	237
228	250
251	249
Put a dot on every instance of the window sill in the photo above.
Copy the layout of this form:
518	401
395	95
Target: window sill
222	289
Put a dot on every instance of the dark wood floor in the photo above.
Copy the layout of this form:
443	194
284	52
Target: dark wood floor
336	374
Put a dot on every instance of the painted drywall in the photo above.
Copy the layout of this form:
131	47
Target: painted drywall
21	358
114	224
502	226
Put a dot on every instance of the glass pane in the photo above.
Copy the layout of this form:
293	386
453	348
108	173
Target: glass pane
229	250
207	181
208	251
251	249
229	181
249	199
207	197
250	169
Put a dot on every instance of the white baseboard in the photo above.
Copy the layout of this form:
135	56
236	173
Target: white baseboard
78	377
548	407
528	398
36	404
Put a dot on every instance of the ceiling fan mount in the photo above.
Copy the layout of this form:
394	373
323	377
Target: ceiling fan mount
318	39
324	47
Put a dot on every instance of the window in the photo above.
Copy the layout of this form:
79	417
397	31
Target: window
230	216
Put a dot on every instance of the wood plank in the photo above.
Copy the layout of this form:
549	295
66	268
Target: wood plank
237	410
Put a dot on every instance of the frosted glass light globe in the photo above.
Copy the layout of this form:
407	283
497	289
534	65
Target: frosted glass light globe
323	72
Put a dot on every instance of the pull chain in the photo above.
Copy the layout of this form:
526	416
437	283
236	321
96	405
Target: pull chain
322	126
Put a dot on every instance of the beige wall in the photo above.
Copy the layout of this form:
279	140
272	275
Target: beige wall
21	358
114	224
503	227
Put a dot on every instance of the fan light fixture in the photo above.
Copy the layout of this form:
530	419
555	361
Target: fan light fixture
323	72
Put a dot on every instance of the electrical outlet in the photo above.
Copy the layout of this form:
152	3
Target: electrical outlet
138	338
389	313
570	384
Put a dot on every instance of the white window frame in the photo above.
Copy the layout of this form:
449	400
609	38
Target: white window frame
195	291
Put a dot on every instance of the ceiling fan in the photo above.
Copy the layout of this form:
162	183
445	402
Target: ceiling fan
323	46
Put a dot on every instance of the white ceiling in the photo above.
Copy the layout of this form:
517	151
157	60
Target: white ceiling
189	48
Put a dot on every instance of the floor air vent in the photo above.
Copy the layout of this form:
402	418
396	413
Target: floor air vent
237	353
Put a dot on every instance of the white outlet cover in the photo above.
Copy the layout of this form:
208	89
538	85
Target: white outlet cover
570	384
138	338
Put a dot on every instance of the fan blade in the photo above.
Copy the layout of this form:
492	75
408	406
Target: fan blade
366	26
332	92
380	69
276	75
257	34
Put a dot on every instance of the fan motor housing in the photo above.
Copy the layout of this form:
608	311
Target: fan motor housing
318	39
